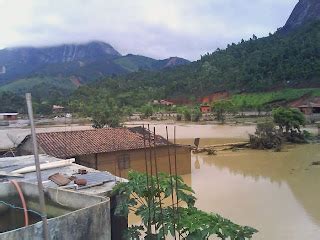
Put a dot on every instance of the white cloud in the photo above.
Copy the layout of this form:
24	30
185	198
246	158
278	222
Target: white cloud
155	28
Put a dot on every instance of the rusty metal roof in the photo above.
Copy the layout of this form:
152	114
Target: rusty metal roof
75	143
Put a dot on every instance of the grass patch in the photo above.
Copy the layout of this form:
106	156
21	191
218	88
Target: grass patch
253	100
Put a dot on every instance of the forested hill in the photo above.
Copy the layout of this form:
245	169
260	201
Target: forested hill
274	62
81	62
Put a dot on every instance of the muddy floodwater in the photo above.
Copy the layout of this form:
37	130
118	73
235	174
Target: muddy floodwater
278	193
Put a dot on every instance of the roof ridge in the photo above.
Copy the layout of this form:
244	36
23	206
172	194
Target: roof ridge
84	130
82	142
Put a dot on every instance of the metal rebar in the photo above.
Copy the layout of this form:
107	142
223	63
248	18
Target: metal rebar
157	178
38	170
150	151
151	168
171	182
147	175
176	174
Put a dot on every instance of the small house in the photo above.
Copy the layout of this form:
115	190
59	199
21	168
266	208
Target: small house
8	116
57	109
205	108
116	150
310	108
166	103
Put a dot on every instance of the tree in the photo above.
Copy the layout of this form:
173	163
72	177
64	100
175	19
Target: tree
147	110
11	102
196	114
221	108
127	111
185	112
266	137
143	195
104	113
288	119
43	108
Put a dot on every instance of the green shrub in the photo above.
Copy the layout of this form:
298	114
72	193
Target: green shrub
266	137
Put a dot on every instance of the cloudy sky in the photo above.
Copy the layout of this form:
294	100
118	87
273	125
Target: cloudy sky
155	28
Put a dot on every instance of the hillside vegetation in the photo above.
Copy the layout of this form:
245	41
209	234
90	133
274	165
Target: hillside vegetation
269	64
256	72
267	99
87	62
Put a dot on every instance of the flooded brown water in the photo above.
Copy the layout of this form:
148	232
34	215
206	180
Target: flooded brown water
217	131
277	193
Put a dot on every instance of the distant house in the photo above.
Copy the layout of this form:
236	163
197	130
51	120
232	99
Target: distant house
135	116
57	109
166	103
8	116
307	105
116	150
310	108
205	108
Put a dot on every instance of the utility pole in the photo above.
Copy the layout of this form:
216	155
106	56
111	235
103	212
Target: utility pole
38	170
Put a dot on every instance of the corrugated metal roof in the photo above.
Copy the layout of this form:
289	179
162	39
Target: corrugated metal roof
105	180
8	114
75	143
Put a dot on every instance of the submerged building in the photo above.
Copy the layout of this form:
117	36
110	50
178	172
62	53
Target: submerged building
116	150
8	116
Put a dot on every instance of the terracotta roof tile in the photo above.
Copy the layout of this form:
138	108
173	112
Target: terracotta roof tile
75	143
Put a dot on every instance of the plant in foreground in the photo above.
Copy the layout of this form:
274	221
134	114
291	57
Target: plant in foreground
167	212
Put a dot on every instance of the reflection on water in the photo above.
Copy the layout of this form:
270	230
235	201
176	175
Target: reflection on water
277	193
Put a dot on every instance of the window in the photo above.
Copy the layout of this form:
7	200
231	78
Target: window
124	161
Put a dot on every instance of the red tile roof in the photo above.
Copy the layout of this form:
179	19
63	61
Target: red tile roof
75	143
310	105
305	100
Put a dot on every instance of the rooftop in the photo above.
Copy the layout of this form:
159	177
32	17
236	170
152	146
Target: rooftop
98	183
310	105
75	143
8	114
305	100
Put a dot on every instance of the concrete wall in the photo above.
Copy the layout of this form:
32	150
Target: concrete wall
109	161
89	219
89	160
26	148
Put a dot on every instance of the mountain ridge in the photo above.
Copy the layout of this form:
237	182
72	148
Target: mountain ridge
87	61
277	62
305	11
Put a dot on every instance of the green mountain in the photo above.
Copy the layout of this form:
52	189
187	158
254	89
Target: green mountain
287	59
134	63
272	63
85	62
